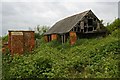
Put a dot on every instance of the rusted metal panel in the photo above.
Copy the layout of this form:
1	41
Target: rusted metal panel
28	41
54	36
17	44
21	41
73	37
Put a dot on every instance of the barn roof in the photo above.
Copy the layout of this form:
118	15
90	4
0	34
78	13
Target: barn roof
65	25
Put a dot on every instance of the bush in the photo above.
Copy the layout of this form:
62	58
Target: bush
116	33
5	38
29	67
114	25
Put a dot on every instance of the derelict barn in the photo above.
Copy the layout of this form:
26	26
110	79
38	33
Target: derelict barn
72	27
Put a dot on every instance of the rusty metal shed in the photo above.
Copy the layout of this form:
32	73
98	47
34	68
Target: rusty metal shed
20	41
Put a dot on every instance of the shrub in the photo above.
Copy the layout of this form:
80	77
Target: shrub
116	33
114	25
31	67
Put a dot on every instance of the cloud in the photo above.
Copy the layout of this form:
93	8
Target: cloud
60	0
119	9
0	19
22	15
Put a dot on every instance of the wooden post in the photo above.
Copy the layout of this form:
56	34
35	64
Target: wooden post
82	25
87	29
62	38
98	25
93	28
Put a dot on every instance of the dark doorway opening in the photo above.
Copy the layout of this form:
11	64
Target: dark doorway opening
49	38
85	29
95	28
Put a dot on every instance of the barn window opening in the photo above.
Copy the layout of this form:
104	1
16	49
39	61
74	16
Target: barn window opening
85	29
85	16
85	24
75	29
94	19
78	30
79	23
90	22
72	29
90	29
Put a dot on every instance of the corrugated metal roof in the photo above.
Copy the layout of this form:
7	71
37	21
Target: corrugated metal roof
65	25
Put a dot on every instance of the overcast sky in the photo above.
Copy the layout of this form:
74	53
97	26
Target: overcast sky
22	15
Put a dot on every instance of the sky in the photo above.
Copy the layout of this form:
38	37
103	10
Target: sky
119	9
23	14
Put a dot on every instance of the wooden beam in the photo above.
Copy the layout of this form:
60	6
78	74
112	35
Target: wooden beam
82	25
64	38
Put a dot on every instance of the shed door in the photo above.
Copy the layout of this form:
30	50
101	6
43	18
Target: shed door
27	41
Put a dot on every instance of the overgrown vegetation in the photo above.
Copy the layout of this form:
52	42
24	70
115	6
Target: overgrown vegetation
88	58
40	30
5	38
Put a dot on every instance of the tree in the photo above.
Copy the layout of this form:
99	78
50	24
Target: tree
40	30
5	38
114	25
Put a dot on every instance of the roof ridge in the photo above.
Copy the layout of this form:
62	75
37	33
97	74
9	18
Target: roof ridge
76	14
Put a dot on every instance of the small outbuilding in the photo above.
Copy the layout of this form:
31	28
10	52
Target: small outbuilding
72	27
20	41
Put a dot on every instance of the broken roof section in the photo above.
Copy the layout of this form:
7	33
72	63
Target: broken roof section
65	25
